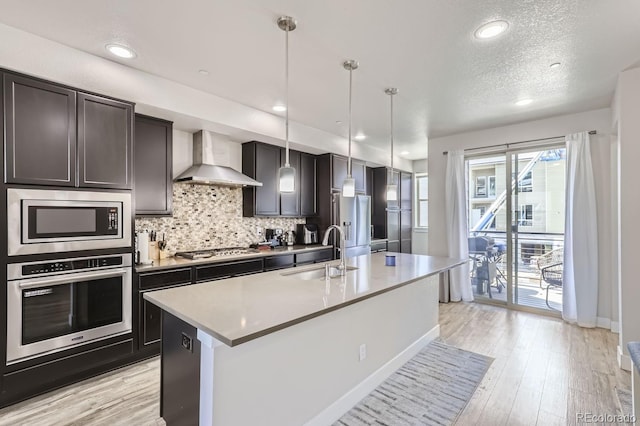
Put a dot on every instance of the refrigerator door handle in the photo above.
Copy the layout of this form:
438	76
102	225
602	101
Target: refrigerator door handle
346	227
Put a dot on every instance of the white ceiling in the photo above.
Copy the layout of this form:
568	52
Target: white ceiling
449	82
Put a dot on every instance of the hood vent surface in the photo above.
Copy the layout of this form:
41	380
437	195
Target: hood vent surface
211	163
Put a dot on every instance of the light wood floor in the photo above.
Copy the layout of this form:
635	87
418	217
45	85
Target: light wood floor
544	372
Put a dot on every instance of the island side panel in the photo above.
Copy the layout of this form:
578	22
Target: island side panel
311	372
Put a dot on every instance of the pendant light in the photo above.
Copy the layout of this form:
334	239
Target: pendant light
349	184
392	187
286	174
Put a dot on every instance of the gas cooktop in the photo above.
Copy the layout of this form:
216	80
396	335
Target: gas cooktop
227	251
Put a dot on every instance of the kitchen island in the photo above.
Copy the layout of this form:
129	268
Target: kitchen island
290	347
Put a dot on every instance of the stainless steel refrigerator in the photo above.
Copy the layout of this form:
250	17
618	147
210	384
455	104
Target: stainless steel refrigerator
353	214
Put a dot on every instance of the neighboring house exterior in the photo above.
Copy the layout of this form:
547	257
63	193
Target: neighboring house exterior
539	202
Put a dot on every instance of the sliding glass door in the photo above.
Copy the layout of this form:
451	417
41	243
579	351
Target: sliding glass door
516	227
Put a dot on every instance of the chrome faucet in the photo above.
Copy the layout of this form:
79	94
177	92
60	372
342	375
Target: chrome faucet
325	241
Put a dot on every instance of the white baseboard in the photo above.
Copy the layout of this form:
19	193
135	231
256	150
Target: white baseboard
603	323
624	361
336	410
614	326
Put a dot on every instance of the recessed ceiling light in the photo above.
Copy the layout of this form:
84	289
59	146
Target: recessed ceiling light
360	137
404	153
121	51
338	122
554	65
279	108
523	102
491	29
203	72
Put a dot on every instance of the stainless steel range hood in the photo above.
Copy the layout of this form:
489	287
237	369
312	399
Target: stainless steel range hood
210	163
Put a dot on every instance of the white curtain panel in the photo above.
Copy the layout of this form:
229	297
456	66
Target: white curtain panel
456	215
580	281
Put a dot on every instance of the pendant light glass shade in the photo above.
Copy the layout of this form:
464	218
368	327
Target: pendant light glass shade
392	187
392	192
287	179
349	184
286	173
349	187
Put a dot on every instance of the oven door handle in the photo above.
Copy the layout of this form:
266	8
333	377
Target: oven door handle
43	282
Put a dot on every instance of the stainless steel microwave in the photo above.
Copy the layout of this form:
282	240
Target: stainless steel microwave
50	221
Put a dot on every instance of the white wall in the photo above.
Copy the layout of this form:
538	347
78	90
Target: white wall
599	120
309	373
420	237
190	109
626	109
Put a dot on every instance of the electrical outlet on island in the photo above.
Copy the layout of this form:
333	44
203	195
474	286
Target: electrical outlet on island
363	352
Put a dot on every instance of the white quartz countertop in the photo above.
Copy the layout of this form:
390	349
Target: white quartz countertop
240	309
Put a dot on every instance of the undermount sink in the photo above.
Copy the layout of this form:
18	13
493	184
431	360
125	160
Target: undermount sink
317	273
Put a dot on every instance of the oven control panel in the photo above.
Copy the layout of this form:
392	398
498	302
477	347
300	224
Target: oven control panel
70	265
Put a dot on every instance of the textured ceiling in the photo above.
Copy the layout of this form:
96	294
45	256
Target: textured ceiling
449	82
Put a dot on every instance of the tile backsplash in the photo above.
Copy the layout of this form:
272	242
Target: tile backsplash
208	217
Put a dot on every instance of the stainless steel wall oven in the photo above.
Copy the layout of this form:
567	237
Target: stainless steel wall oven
50	221
58	304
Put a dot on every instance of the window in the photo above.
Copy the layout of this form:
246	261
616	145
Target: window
525	215
481	186
492	186
422	201
525	184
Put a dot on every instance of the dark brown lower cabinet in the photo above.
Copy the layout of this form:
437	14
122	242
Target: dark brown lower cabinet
219	271
272	263
316	256
378	246
179	372
393	246
148	313
406	222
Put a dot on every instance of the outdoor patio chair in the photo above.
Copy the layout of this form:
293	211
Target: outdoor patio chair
553	257
551	270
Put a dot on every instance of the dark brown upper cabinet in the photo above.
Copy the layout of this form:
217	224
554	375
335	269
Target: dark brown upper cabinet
152	184
308	185
47	145
290	201
105	148
339	172
261	162
40	141
392	219
406	191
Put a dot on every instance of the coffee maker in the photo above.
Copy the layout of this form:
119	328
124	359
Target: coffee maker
307	233
274	236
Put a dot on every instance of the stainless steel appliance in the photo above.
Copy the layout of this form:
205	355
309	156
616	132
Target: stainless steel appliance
50	221
274	236
205	253
289	238
353	215
58	304
307	233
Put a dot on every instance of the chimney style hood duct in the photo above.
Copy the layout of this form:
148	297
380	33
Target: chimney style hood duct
210	163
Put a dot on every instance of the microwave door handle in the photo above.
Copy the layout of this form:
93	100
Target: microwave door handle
42	282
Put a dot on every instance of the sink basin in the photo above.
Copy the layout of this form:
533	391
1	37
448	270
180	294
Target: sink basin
315	273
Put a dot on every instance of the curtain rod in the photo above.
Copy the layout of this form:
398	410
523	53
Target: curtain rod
507	145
